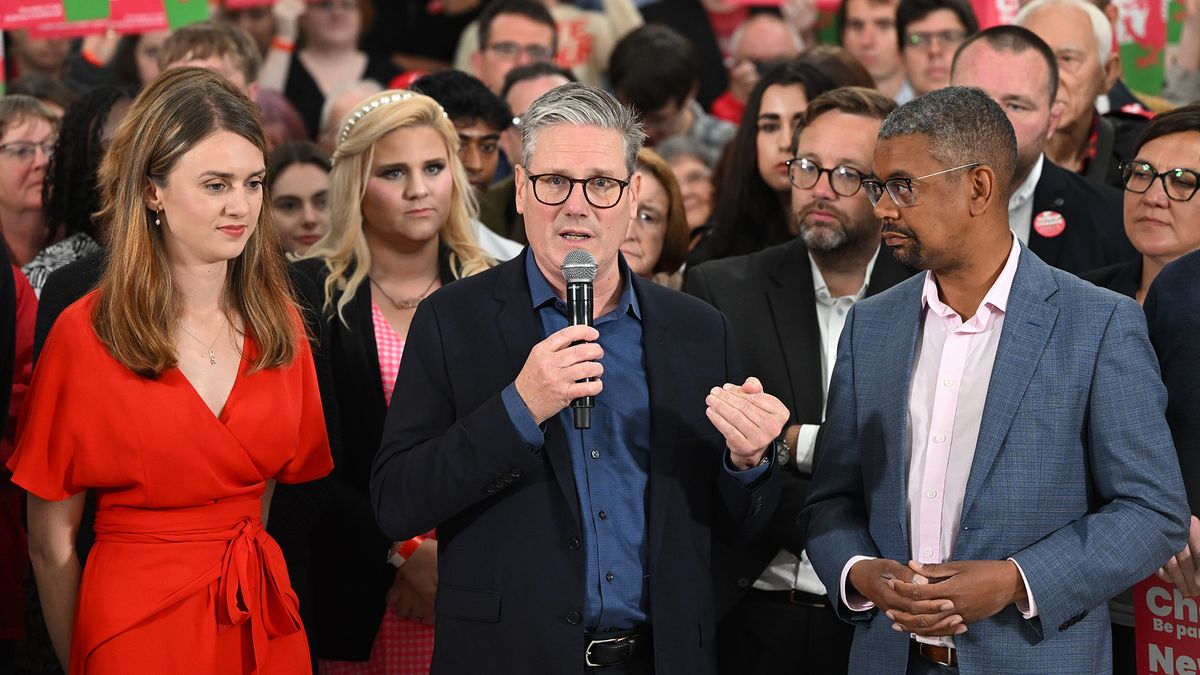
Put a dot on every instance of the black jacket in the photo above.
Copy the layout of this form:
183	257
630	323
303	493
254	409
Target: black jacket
1123	278
771	303
510	571
1095	233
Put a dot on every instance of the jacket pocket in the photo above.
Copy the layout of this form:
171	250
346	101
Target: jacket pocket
470	604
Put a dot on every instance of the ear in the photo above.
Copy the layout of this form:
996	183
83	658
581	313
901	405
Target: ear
521	183
152	196
1112	71
985	189
635	189
1056	112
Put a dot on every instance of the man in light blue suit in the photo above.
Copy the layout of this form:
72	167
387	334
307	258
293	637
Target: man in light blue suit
995	463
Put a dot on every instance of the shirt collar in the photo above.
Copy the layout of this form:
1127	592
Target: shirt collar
994	301
542	293
822	289
1024	192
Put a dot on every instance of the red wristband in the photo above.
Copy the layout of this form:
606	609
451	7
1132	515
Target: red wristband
91	58
282	45
402	551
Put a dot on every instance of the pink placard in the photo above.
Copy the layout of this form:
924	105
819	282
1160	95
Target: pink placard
26	13
137	16
243	4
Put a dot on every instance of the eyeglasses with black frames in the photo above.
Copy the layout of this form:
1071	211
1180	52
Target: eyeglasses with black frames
602	192
1179	184
805	174
901	190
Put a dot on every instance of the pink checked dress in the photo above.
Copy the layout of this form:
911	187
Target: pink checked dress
402	646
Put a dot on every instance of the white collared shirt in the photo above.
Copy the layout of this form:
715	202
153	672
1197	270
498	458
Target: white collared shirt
1020	204
786	571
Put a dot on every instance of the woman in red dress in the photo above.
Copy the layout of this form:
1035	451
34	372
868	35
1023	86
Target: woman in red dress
178	391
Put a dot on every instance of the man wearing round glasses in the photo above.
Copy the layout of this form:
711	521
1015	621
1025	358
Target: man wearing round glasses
565	548
787	305
973	502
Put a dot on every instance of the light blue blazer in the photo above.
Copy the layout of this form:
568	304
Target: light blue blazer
1075	476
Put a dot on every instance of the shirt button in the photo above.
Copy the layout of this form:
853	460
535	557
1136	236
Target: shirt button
573	543
609	577
595	454
931	494
574	618
940	438
603	515
929	553
840	311
949	382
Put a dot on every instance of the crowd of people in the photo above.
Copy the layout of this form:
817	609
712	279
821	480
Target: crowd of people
889	345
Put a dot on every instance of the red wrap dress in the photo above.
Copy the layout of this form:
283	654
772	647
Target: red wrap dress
183	577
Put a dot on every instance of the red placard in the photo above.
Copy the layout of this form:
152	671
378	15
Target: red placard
67	29
1167	629
24	13
137	16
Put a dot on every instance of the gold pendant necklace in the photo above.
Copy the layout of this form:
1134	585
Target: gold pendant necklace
405	304
212	353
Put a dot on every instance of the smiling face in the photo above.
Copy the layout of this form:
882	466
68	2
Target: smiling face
644	243
210	202
300	206
21	177
576	152
828	220
781	110
409	189
1159	227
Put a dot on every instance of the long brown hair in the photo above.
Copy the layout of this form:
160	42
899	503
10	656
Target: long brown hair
344	248
138	307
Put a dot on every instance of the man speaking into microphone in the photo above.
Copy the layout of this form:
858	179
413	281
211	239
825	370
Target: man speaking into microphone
568	548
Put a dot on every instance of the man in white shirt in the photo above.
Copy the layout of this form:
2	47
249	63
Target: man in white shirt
1070	222
787	305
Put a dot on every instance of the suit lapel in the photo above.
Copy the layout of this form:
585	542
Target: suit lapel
662	362
793	307
897	360
520	328
1027	327
1049	195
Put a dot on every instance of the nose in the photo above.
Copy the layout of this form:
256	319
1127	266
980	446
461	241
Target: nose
415	185
886	208
238	203
576	204
310	214
41	157
470	157
824	188
1157	195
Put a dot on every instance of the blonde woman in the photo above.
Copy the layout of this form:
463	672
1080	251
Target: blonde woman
179	391
401	211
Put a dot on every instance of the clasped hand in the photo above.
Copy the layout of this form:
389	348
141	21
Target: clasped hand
748	417
938	599
550	378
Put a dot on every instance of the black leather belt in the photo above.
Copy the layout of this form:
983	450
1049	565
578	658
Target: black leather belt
792	597
941	655
616	648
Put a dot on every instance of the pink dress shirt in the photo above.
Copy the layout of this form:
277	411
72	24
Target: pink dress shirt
952	368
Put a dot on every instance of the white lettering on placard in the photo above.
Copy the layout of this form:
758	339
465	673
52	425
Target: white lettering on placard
1157	599
1165	662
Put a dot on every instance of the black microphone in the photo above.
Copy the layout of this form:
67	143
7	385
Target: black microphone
579	269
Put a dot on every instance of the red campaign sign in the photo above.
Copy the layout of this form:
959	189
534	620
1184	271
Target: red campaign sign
1167	629
995	12
137	16
23	13
243	4
67	29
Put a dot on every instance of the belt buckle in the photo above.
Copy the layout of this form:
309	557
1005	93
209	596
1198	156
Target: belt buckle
587	653
928	650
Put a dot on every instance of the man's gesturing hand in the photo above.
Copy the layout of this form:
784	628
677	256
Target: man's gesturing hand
878	580
1183	569
748	418
977	588
547	382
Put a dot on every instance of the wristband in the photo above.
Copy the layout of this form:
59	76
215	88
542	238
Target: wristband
91	58
401	551
282	45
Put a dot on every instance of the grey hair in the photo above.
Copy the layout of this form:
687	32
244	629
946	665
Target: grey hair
735	40
581	105
963	125
681	146
1101	28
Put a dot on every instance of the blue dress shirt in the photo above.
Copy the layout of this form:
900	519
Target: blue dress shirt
610	461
